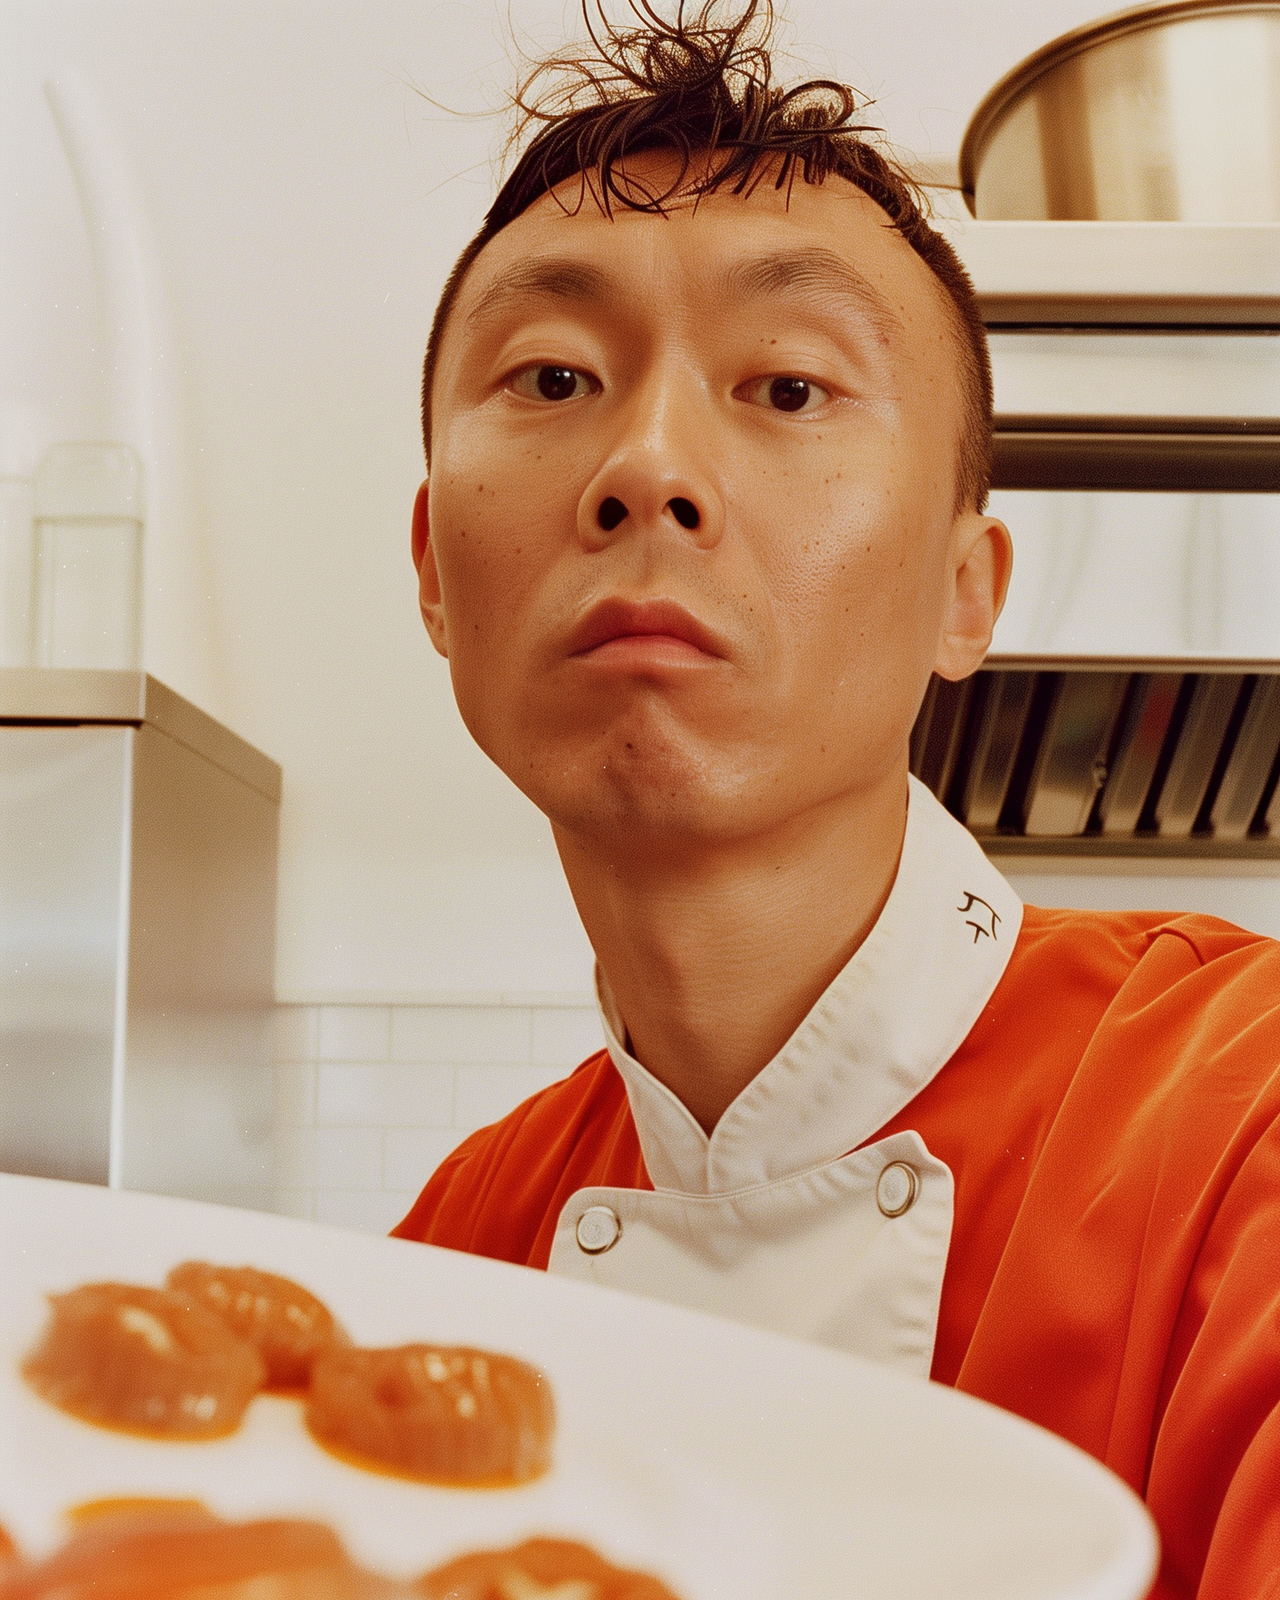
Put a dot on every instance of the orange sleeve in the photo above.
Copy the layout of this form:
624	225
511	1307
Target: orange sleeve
1244	1554
1214	1479
1135	1306
434	1216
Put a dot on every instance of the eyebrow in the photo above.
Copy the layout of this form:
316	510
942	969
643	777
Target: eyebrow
823	278
542	280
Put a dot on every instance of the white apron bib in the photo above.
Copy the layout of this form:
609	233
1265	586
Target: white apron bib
826	1255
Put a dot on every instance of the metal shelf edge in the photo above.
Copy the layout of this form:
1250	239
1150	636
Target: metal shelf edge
71	695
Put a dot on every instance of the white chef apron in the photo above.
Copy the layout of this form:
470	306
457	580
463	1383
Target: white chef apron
785	1217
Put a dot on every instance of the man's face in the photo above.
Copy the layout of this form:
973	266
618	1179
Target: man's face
690	540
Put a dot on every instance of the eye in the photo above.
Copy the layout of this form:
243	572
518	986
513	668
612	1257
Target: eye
789	394
551	382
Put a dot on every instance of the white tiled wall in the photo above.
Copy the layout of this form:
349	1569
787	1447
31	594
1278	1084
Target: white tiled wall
370	1098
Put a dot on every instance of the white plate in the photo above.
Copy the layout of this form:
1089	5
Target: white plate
735	1464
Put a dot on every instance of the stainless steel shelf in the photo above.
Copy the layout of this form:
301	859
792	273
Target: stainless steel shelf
1016	312
1074	756
1198	455
75	696
1122	274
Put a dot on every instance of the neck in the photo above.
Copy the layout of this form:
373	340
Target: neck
715	954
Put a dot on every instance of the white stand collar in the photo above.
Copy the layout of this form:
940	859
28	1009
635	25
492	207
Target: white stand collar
887	1023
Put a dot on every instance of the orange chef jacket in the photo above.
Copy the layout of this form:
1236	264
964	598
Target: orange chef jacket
1112	1126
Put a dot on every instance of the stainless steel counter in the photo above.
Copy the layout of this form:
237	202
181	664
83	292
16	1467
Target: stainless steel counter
138	843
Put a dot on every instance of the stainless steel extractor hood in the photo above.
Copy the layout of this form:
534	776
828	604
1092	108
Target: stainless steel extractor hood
1108	757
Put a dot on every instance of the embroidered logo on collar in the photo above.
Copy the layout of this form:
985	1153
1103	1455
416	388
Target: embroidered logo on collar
982	922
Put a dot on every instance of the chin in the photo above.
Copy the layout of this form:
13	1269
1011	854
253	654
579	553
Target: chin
668	803
651	776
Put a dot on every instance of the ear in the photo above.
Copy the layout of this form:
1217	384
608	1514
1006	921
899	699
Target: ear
424	558
981	565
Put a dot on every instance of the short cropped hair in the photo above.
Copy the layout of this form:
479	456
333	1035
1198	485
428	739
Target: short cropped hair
701	90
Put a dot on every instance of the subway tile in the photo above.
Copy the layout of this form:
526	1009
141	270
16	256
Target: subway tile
460	1033
295	1158
348	1158
563	1036
419	1096
483	1094
400	1201
355	1033
297	1033
355	1095
370	1210
350	1095
411	1155
295	1085
299	1203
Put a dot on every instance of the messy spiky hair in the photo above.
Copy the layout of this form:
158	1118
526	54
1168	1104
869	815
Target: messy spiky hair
700	88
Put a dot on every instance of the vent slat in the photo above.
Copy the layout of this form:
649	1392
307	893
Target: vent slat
1271	820
1147	719
1070	766
1199	743
995	750
1250	765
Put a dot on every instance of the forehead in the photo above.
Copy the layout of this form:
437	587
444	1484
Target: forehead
815	238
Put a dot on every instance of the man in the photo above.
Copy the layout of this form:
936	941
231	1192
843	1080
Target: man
707	410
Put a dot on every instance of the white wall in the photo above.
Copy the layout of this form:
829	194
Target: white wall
371	1098
306	204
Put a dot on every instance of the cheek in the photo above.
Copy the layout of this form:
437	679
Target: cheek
857	568
857	581
503	524
495	527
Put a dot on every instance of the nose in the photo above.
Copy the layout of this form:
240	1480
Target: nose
611	512
658	479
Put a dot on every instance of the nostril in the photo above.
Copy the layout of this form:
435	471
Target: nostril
684	511
611	513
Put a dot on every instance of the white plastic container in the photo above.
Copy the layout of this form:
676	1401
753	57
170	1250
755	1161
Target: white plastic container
87	609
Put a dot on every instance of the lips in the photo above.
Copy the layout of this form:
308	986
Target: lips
616	619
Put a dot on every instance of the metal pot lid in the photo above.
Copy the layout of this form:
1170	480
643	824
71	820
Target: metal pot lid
998	100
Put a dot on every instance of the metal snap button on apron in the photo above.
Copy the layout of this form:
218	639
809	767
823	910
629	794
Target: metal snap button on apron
598	1230
896	1190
